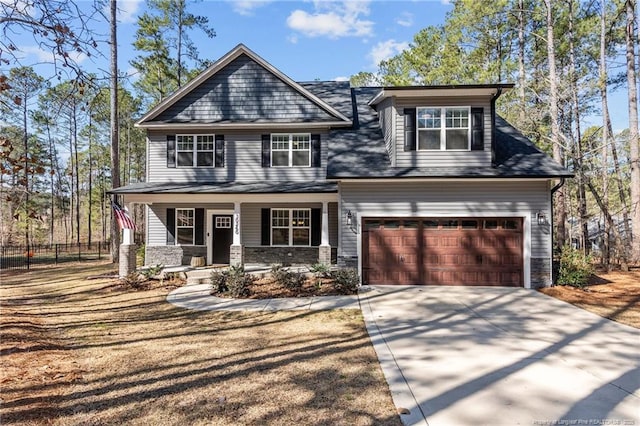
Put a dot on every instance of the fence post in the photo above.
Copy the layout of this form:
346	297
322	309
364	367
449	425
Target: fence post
100	250
56	253
28	257
79	250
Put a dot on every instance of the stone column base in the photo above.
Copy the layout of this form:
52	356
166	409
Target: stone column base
127	262
236	257
324	255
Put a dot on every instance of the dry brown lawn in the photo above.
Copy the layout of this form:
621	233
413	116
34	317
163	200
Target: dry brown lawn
614	295
78	351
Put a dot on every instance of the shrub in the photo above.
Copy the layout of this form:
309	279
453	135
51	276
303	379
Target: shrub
133	280
575	267
239	282
345	281
152	271
287	279
219	282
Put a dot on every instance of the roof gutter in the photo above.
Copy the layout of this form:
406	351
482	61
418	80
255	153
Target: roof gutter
493	125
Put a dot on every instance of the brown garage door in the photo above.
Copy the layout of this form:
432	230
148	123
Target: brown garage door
443	251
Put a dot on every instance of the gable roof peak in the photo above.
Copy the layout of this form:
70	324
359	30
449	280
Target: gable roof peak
226	59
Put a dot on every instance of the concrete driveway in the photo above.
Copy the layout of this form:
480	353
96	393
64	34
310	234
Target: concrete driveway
501	356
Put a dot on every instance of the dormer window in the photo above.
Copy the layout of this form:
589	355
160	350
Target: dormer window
443	128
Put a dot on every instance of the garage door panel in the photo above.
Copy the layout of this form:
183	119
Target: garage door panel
463	251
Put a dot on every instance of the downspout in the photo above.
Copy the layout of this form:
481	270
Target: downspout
553	191
493	125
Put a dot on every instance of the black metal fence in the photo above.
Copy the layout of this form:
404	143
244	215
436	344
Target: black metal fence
23	257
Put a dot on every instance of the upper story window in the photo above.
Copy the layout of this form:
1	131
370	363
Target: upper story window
195	150
291	150
444	128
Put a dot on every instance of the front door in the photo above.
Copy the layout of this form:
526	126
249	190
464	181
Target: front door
222	238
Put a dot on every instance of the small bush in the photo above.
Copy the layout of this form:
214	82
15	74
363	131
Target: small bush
239	282
219	282
575	267
345	281
133	280
287	279
152	271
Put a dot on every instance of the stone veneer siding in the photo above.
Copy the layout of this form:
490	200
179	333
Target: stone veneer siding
540	272
284	255
172	255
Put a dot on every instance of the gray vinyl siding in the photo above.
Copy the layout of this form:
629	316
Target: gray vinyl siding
434	199
243	161
244	91
442	158
250	220
157	219
386	114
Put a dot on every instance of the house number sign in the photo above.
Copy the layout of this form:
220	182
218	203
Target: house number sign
236	223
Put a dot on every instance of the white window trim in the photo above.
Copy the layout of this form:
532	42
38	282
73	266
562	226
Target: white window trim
291	150
193	228
443	128
194	151
291	227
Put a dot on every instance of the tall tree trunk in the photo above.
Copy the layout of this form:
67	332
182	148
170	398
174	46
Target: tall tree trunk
89	215
521	54
561	213
180	6
606	124
72	180
77	170
115	159
25	137
575	106
52	165
634	143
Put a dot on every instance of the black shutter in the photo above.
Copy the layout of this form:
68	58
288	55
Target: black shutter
219	151
199	227
171	150
266	150
477	129
171	227
316	227
409	129
265	239
315	151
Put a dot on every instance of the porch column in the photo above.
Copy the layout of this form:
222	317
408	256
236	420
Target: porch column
127	254
236	257
324	251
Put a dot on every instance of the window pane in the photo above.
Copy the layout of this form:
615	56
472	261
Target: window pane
510	224
429	118
280	218
469	224
185	159
279	158
392	224
184	143
457	139
185	235
449	224
205	142
300	141
205	159
490	224
301	218
280	236
430	223
301	237
429	139
457	118
184	217
372	224
301	158
413	224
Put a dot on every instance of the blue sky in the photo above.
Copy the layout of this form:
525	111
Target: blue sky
306	40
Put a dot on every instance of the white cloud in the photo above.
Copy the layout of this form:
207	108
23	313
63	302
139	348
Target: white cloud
385	50
333	19
47	56
246	7
128	10
405	19
293	39
341	78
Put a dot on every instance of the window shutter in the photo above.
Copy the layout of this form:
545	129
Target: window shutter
171	227
199	219
316	152
219	162
265	239
266	150
171	150
477	129
409	129
316	227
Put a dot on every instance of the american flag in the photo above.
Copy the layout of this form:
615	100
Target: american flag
122	216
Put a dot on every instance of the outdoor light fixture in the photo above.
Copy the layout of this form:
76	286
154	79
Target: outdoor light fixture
352	222
349	218
542	218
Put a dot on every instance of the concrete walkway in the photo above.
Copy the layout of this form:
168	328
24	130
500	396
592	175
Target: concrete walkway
197	297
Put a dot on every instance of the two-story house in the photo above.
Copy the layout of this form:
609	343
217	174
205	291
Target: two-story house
411	185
